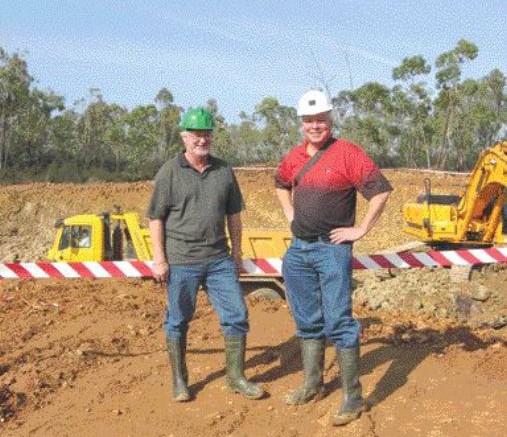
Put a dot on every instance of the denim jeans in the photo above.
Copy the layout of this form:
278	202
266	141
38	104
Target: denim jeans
220	279
318	283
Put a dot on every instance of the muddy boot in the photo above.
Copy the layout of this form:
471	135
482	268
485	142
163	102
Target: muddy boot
176	348
312	355
353	402
235	347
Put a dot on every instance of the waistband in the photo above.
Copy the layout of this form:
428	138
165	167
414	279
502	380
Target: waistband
324	238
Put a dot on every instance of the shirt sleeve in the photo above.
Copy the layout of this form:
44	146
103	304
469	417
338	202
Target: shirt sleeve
365	175
235	203
158	207
283	175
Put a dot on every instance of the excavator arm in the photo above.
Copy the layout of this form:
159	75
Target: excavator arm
480	208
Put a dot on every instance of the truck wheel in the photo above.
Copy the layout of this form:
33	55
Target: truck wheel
265	294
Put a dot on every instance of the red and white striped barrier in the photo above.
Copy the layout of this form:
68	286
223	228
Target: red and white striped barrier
86	269
434	258
253	266
400	260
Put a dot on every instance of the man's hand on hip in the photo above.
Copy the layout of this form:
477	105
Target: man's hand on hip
341	235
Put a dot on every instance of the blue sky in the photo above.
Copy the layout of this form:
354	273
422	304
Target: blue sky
239	52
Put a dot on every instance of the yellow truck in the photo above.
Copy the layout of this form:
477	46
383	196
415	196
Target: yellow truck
475	218
119	236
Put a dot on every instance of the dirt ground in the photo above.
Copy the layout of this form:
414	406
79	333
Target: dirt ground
87	357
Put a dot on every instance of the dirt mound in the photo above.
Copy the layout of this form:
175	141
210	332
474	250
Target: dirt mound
87	357
29	211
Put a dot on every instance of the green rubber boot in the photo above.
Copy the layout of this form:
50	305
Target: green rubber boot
235	347
176	349
312	355
353	402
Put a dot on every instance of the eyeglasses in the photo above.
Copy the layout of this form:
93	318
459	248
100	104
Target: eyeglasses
198	134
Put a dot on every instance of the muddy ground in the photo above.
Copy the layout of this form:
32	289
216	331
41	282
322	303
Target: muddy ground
87	357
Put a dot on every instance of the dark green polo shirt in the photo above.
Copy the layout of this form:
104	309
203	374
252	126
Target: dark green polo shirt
193	207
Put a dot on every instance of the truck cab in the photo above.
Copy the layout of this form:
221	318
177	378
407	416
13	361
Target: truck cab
100	237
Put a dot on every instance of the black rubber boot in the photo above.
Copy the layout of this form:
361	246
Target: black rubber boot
235	347
353	402
176	349
312	355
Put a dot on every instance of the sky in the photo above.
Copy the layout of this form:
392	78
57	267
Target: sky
239	52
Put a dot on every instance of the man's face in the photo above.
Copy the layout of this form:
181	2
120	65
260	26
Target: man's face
197	142
317	128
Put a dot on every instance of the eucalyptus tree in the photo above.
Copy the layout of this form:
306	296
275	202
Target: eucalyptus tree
368	119
93	130
223	146
63	148
413	109
479	121
25	113
63	142
449	103
247	139
169	115
279	126
14	99
30	134
496	87
142	140
115	139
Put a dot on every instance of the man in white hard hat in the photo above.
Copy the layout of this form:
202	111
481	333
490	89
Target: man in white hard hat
317	183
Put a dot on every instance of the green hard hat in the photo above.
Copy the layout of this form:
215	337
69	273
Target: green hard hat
197	119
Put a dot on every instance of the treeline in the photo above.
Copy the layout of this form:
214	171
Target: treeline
441	125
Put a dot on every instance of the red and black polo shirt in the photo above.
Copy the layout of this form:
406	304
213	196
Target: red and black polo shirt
325	197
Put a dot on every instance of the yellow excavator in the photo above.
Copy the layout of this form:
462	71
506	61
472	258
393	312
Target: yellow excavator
473	219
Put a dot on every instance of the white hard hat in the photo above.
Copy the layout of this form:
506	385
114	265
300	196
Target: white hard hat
314	102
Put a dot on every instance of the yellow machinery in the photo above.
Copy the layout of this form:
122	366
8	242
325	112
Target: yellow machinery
101	237
475	218
119	236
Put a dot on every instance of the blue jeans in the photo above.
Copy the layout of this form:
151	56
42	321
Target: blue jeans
220	279
318	284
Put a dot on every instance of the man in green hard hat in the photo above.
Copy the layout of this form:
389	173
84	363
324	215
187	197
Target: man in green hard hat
194	197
